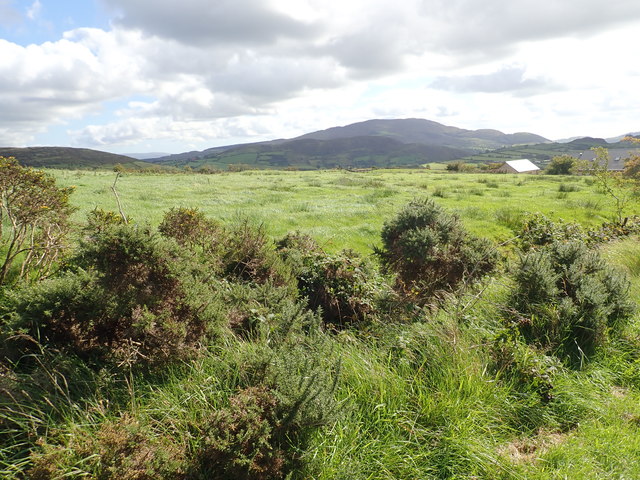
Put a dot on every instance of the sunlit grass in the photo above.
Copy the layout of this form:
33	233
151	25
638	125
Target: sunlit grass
342	209
417	400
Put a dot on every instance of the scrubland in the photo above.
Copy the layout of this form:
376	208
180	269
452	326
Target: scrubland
362	325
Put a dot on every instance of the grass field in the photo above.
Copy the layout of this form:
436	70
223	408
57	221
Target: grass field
415	392
343	209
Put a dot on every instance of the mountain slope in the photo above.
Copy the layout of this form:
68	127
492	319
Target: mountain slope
67	157
415	130
373	143
310	153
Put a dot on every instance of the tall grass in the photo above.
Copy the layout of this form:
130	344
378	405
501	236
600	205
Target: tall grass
422	392
332	205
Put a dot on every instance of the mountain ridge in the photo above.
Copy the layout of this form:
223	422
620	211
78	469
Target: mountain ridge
373	143
69	157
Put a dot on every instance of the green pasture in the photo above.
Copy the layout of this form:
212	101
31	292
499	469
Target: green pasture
419	394
343	209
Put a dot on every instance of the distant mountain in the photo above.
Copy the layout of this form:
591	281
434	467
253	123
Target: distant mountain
415	130
373	143
309	153
586	143
620	137
566	140
67	157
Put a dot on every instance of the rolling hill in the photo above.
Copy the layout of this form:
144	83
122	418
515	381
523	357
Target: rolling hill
373	143
309	153
415	130
67	157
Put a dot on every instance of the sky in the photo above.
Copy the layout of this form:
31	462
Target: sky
129	76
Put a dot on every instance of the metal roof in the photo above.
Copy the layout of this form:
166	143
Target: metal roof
523	165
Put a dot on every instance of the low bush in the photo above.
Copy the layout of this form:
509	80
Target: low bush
538	230
285	394
98	220
132	298
430	251
249	255
121	449
240	441
343	286
190	228
528	369
567	300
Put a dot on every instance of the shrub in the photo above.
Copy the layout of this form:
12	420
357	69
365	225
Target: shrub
190	228
567	300
430	251
239	440
133	299
239	167
460	167
285	396
265	313
524	366
538	230
249	255
342	286
34	220
561	165
99	220
121	449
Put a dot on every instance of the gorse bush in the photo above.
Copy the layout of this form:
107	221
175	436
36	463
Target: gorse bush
99	220
538	230
249	255
240	440
264	427
132	298
430	251
527	368
567	300
121	449
190	228
343	286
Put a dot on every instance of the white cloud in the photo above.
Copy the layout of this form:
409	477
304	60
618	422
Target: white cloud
264	68
508	79
34	10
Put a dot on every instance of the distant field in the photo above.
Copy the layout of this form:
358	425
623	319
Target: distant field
343	209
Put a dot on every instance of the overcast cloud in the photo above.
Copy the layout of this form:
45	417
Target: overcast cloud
204	73
508	79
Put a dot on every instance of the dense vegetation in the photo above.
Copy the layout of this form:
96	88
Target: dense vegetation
67	157
218	346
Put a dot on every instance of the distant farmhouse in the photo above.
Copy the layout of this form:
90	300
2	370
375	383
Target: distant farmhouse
617	157
518	166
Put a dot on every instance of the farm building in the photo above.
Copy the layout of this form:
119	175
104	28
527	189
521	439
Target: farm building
617	157
518	166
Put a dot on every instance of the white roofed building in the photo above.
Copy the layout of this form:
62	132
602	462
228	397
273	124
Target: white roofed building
523	165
